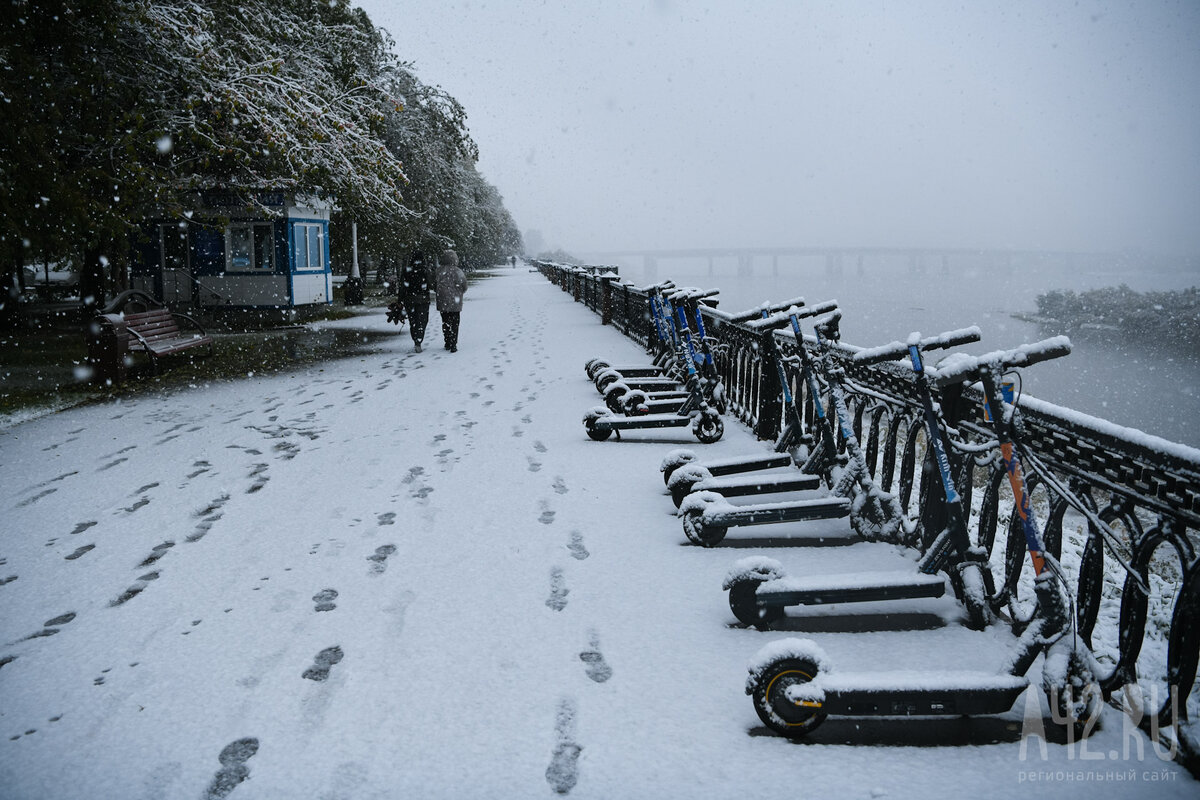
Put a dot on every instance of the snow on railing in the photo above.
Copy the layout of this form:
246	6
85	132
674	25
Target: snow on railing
1142	488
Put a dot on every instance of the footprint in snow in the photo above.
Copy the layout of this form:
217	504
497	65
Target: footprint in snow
36	497
558	590
233	768
559	485
319	671
259	476
87	548
379	559
563	772
324	600
156	552
594	664
136	588
547	516
576	548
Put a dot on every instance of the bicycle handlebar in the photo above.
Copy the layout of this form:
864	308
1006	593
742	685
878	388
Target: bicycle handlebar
960	367
898	350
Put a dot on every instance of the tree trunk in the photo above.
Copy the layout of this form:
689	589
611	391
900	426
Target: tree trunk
91	282
118	275
10	291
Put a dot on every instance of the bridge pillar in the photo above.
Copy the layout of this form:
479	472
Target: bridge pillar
833	264
775	265
745	266
711	270
650	268
945	264
859	269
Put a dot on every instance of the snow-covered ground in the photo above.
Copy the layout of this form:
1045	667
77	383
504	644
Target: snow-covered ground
413	575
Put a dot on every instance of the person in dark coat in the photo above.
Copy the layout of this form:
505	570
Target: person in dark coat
451	285
414	294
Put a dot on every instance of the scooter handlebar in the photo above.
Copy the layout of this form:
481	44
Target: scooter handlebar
692	293
961	367
898	350
783	319
765	310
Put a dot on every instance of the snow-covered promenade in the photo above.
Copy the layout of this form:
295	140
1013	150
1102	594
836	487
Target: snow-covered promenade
412	575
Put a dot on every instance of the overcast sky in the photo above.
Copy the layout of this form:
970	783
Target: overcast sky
614	125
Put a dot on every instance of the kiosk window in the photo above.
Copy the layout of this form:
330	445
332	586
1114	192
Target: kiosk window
308	246
249	248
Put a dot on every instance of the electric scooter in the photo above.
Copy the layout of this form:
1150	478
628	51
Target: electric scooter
789	438
874	514
687	475
696	413
759	590
667	394
794	689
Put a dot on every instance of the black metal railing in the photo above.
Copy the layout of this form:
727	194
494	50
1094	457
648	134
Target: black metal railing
1144	489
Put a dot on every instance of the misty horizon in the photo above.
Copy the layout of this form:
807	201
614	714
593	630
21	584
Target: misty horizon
695	125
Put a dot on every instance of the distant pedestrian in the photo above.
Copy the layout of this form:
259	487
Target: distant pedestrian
514	262
414	294
451	285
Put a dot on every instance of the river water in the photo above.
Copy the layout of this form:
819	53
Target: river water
1154	387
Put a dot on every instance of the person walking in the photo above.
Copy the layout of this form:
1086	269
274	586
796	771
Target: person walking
451	285
414	294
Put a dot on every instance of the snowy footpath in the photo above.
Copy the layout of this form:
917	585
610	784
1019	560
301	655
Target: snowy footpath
412	575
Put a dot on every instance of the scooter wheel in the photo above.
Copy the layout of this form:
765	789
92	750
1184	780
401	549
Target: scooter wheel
593	367
675	459
875	517
779	712
708	429
699	533
614	399
633	403
596	434
606	379
743	602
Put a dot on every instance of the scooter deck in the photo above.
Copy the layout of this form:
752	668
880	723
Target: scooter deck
744	486
614	423
852	587
899	694
637	370
736	464
729	516
647	384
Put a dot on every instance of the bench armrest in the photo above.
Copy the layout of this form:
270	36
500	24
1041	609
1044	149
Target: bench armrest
190	321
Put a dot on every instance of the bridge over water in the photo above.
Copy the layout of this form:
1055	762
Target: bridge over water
859	260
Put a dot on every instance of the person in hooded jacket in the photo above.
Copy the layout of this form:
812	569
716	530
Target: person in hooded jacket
414	294
451	285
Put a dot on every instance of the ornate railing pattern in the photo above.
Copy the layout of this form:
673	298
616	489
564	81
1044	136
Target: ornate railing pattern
1145	489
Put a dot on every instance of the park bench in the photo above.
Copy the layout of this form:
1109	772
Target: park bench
135	322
